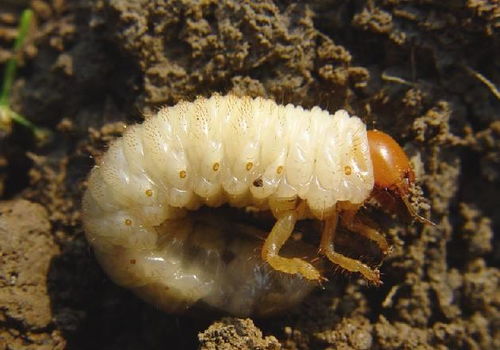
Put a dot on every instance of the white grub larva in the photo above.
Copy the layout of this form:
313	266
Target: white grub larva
152	207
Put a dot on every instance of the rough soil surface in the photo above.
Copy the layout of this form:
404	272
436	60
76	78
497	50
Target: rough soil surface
425	72
235	333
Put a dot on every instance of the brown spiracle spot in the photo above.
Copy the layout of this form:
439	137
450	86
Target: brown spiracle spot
347	170
258	182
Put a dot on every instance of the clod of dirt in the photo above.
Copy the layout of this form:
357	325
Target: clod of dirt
26	250
236	333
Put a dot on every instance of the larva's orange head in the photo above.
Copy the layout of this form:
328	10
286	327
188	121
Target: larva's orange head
391	166
392	173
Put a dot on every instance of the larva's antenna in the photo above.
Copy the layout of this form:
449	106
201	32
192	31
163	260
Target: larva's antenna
414	213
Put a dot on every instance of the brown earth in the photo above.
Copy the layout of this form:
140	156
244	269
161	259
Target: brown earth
423	71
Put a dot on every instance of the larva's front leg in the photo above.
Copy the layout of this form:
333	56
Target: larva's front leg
353	224
279	234
352	265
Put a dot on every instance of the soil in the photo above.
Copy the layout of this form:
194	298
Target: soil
422	71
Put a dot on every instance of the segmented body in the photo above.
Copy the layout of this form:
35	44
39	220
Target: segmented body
242	152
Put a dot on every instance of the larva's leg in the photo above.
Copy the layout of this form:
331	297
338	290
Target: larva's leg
326	248
355	225
280	233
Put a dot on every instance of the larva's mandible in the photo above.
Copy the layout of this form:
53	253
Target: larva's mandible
147	208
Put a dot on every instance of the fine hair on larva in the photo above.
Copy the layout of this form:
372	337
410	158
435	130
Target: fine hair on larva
152	210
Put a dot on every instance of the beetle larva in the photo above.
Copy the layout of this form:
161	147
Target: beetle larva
149	210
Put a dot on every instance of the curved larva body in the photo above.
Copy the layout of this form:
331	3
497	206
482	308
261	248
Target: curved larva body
223	150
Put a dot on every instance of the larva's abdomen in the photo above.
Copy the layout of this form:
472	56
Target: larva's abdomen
223	150
206	260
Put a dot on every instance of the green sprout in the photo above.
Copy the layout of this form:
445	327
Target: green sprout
7	115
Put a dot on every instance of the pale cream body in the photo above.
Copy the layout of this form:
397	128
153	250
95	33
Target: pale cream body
242	152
